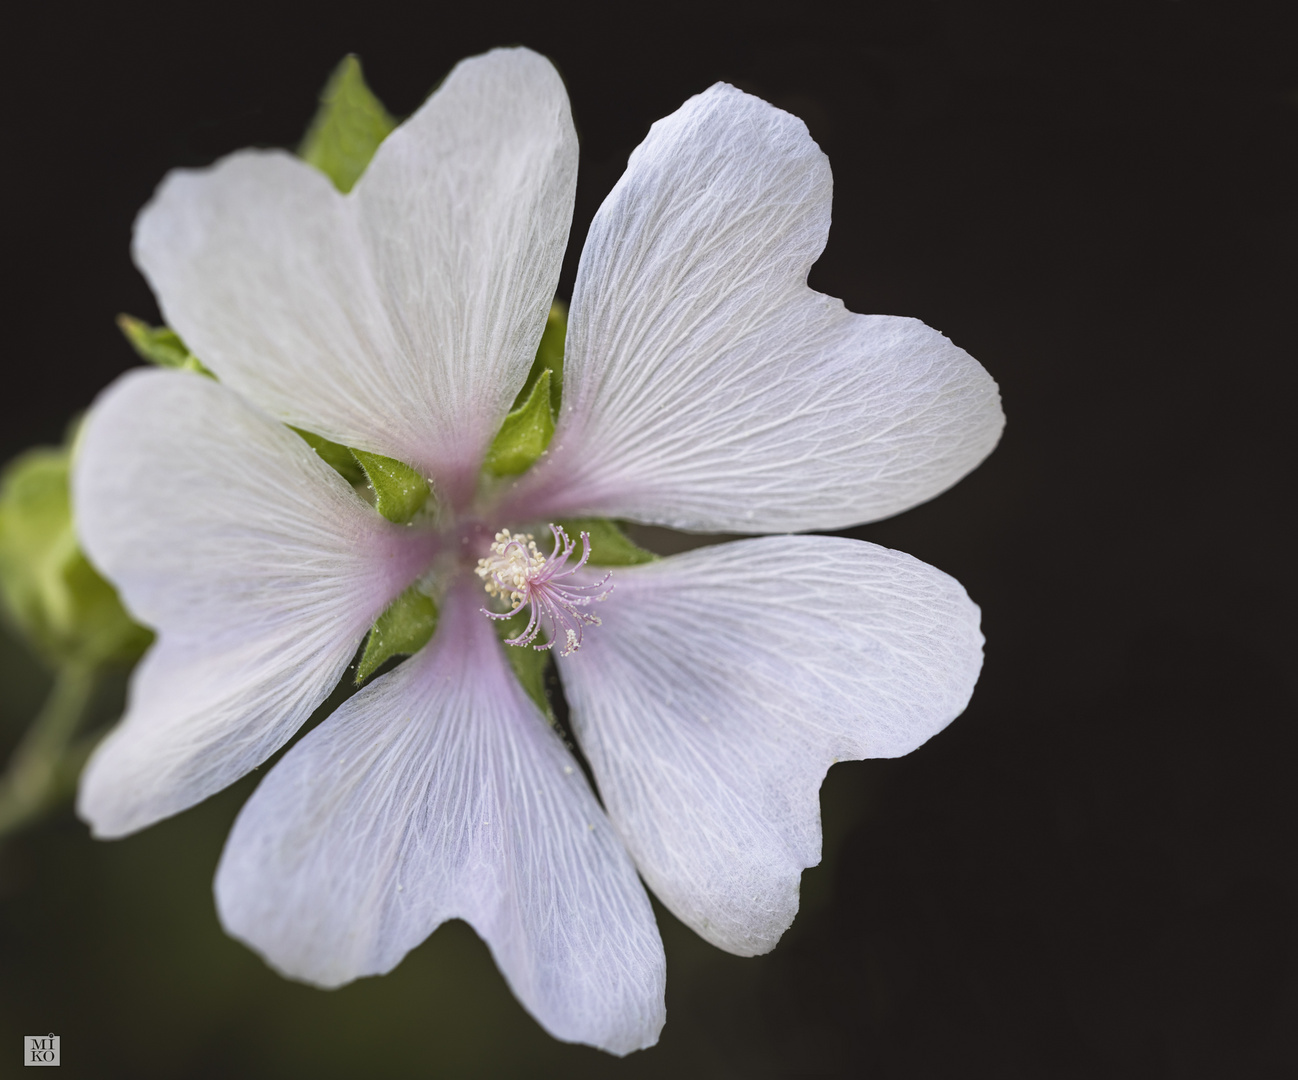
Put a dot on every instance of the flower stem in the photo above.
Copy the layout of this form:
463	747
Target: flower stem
44	766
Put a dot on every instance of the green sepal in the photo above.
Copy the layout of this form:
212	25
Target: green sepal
549	357
336	456
609	545
399	492
51	593
529	664
525	433
348	127
402	630
160	345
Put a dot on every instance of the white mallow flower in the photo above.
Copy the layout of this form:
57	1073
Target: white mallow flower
705	388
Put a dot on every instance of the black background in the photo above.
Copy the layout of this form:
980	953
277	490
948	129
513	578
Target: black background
1092	872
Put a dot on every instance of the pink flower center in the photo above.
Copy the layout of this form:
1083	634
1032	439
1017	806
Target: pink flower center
518	573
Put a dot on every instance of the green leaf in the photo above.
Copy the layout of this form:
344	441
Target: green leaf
525	433
399	492
402	630
609	545
529	664
336	456
348	127
160	345
51	593
549	357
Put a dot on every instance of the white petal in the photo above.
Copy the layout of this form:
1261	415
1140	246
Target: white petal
441	792
255	562
707	387
722	685
402	318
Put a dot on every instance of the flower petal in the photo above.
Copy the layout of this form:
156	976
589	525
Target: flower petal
725	681
440	792
707	387
402	318
255	562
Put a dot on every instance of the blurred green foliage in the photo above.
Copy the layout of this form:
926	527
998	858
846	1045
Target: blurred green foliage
68	615
51	593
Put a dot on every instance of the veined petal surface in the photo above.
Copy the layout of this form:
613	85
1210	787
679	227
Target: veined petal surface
706	387
255	562
437	792
722	685
401	318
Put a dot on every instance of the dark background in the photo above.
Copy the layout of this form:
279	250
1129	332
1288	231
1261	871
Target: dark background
1092	872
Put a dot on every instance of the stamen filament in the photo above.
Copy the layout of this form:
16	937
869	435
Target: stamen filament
517	571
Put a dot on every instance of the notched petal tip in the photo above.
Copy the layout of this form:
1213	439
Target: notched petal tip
355	316
861	652
707	388
438	792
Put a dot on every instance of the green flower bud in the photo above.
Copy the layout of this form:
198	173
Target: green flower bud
51	594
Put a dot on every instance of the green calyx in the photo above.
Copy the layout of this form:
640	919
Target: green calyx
160	345
51	593
525	433
402	630
529	427
348	127
549	357
399	492
609	545
528	664
336	456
